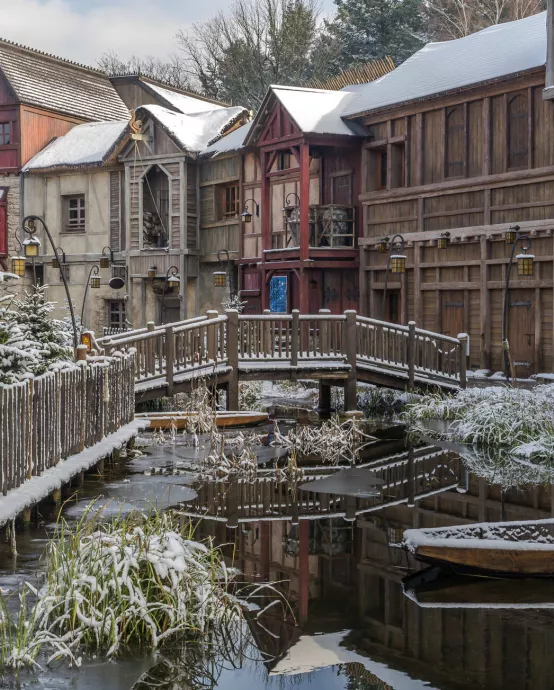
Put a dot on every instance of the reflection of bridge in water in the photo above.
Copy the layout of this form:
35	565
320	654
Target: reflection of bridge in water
407	477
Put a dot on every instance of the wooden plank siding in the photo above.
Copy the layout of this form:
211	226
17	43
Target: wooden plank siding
500	172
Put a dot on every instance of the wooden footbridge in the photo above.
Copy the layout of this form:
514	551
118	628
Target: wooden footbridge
336	350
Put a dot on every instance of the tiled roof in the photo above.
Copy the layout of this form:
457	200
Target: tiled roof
55	84
494	53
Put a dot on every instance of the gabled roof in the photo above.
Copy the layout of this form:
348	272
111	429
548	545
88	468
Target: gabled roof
89	145
234	141
315	111
49	82
491	54
183	102
193	132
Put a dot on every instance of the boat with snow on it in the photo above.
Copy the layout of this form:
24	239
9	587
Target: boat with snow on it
507	548
223	420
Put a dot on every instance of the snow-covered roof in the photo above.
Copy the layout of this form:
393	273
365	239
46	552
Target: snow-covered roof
184	103
490	54
315	111
228	143
196	131
55	84
91	144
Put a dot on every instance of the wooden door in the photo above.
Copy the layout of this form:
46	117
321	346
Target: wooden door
521	332
452	313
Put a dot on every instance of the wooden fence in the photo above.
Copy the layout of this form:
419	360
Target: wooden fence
56	415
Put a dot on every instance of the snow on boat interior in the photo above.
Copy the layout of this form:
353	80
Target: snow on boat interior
515	548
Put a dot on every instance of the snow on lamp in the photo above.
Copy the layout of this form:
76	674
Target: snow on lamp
220	279
525	264
31	246
398	263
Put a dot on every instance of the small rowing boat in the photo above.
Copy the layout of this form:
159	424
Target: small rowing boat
513	548
225	420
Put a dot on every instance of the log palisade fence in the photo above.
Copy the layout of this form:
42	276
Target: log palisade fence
51	417
270	345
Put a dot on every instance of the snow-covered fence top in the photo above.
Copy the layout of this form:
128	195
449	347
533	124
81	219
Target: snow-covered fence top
48	418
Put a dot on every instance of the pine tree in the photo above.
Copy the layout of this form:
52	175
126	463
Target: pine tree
15	364
35	332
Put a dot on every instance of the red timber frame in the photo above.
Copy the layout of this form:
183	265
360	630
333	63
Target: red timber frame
281	135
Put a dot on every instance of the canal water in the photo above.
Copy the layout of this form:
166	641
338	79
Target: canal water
333	549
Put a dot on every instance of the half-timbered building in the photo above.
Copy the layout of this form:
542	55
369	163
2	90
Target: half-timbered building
461	142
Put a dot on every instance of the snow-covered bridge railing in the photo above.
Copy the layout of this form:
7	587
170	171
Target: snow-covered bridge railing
348	346
59	414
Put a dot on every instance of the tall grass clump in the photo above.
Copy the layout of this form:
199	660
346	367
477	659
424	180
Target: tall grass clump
520	421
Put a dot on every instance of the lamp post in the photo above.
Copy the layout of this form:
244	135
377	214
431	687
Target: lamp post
524	268
396	263
93	282
171	280
106	260
246	214
55	263
221	277
30	228
287	212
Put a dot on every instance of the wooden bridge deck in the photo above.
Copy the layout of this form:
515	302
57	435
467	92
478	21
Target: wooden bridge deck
332	349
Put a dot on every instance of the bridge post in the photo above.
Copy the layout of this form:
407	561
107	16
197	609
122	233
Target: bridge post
211	335
169	358
233	359
266	337
349	346
294	335
411	354
463	359
150	366
324	333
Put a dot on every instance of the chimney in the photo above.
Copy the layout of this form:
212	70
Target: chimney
548	92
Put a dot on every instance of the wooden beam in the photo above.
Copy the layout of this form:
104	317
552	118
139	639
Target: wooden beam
486	136
304	202
417	285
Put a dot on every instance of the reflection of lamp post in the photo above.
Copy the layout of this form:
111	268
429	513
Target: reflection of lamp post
221	277
246	214
171	280
30	228
396	263
93	282
524	268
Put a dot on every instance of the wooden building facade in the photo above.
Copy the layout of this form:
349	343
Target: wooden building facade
471	162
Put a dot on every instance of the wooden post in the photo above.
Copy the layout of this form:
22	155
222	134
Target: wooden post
169	358
81	353
324	333
295	327
266	337
212	335
411	354
463	359
304	570
233	359
151	326
349	345
304	229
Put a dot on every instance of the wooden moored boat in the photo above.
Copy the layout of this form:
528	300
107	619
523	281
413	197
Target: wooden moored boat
178	420
515	548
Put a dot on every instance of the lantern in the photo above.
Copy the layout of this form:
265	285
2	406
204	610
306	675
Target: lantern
246	216
525	264
382	245
31	246
510	236
152	272
173	281
398	263
104	262
220	279
55	263
443	240
95	283
86	339
18	265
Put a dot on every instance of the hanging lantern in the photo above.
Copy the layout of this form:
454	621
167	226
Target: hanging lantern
18	265
152	272
510	236
95	283
86	339
443	240
220	279
31	246
525	264
382	245
104	262
173	281
398	263
55	263
246	216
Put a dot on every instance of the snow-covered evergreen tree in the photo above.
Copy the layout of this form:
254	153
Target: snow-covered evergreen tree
35	332
15	363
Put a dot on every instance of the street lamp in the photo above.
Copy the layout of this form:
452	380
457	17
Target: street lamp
511	234
221	277
292	223
171	280
18	262
444	240
396	263
55	263
382	245
92	281
29	226
152	272
246	214
524	268
106	260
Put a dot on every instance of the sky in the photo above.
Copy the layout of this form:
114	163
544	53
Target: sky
82	30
